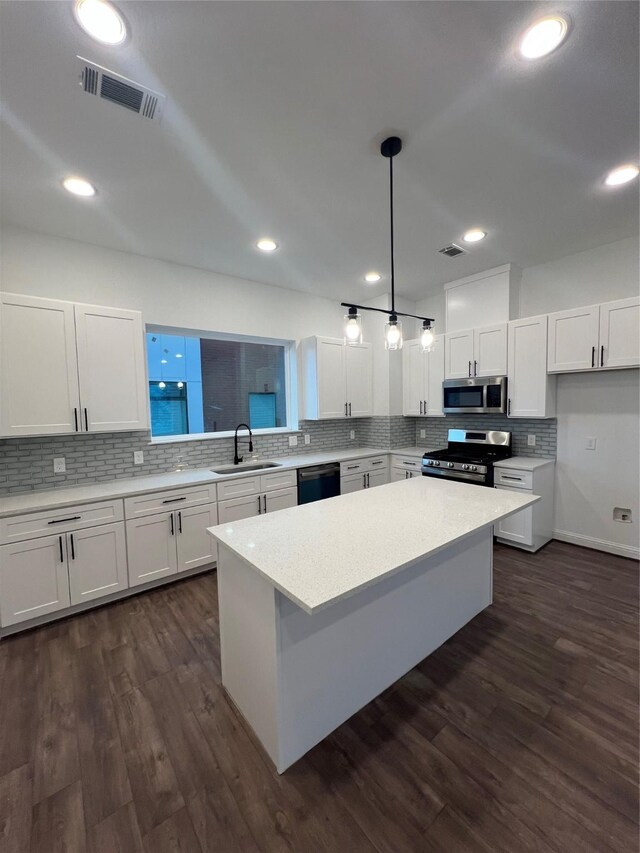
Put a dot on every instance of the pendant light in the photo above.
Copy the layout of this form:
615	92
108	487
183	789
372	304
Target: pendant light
393	327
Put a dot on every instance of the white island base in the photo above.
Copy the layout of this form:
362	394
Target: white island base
296	676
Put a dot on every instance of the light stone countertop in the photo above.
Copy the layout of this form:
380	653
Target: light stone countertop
126	487
412	451
319	553
525	463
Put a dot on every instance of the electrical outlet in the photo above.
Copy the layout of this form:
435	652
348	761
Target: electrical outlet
293	441
531	441
622	513
423	433
352	434
307	438
59	465
138	457
590	443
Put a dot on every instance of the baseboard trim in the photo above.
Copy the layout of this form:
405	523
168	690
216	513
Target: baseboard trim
598	544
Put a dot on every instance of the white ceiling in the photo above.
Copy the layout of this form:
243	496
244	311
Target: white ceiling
274	116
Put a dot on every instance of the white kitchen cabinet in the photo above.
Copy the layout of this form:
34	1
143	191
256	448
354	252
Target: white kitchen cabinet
573	339
532	527
38	367
236	508
377	478
423	374
68	367
111	369
352	483
97	562
531	391
595	337
620	333
195	546
372	471
336	380
476	352
34	579
280	499
151	548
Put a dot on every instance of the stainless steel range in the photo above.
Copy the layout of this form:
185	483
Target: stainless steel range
469	456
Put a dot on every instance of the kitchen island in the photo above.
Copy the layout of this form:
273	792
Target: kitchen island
323	606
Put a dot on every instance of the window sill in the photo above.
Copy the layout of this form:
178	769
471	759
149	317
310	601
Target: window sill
213	436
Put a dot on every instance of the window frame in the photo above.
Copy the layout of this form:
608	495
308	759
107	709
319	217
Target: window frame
289	378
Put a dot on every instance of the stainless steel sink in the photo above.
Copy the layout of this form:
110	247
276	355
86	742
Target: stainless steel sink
239	469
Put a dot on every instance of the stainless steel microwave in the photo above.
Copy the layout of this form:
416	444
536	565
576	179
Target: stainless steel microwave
477	395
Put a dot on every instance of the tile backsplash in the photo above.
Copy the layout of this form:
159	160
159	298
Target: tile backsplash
26	464
545	431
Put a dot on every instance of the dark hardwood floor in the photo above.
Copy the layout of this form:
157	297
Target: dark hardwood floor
519	734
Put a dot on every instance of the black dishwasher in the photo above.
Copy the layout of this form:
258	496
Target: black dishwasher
318	482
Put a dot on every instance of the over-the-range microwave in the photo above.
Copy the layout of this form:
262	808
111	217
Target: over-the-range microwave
476	395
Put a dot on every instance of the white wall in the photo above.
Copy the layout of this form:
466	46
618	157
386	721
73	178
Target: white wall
589	484
167	294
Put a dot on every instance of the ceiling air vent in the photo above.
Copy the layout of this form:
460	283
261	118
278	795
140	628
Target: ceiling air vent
452	251
99	81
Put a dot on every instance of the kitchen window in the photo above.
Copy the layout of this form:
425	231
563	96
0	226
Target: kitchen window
205	385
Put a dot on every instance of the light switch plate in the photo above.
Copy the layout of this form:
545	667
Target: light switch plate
307	438
59	465
138	457
531	441
423	433
590	443
293	441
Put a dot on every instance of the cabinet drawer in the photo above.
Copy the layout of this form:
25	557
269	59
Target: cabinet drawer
353	467
32	525
238	488
278	480
171	499
513	478
410	463
376	463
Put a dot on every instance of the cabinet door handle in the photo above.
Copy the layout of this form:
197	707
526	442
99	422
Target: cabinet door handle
364	481
425	408
602	356
368	480
179	522
593	356
509	406
264	501
61	551
420	406
174	500
62	520
345	410
259	504
73	550
406	475
173	530
349	409
469	368
475	368
75	418
86	420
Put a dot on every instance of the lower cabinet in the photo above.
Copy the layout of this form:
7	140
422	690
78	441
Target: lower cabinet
170	542
531	527
403	474
97	560
257	504
517	528
367	480
34	579
280	499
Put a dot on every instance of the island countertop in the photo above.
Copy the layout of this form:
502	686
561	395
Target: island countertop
319	553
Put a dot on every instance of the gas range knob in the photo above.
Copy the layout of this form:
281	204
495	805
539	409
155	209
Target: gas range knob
437	464
449	464
465	467
474	467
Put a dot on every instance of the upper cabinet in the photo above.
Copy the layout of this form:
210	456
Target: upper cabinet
336	380
531	391
67	368
602	336
423	374
476	352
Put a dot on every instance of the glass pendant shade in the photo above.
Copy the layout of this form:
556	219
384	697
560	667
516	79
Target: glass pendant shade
426	338
352	328
393	333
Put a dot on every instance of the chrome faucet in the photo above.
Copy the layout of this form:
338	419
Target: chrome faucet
238	459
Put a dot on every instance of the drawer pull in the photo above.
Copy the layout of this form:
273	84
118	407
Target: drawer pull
378	462
173	500
350	467
507	477
63	520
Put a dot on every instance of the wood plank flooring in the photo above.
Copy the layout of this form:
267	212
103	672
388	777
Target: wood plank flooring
519	734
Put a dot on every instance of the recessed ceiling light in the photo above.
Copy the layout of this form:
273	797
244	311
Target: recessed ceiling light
474	235
621	175
101	21
178	355
78	186
372	277
543	37
267	245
